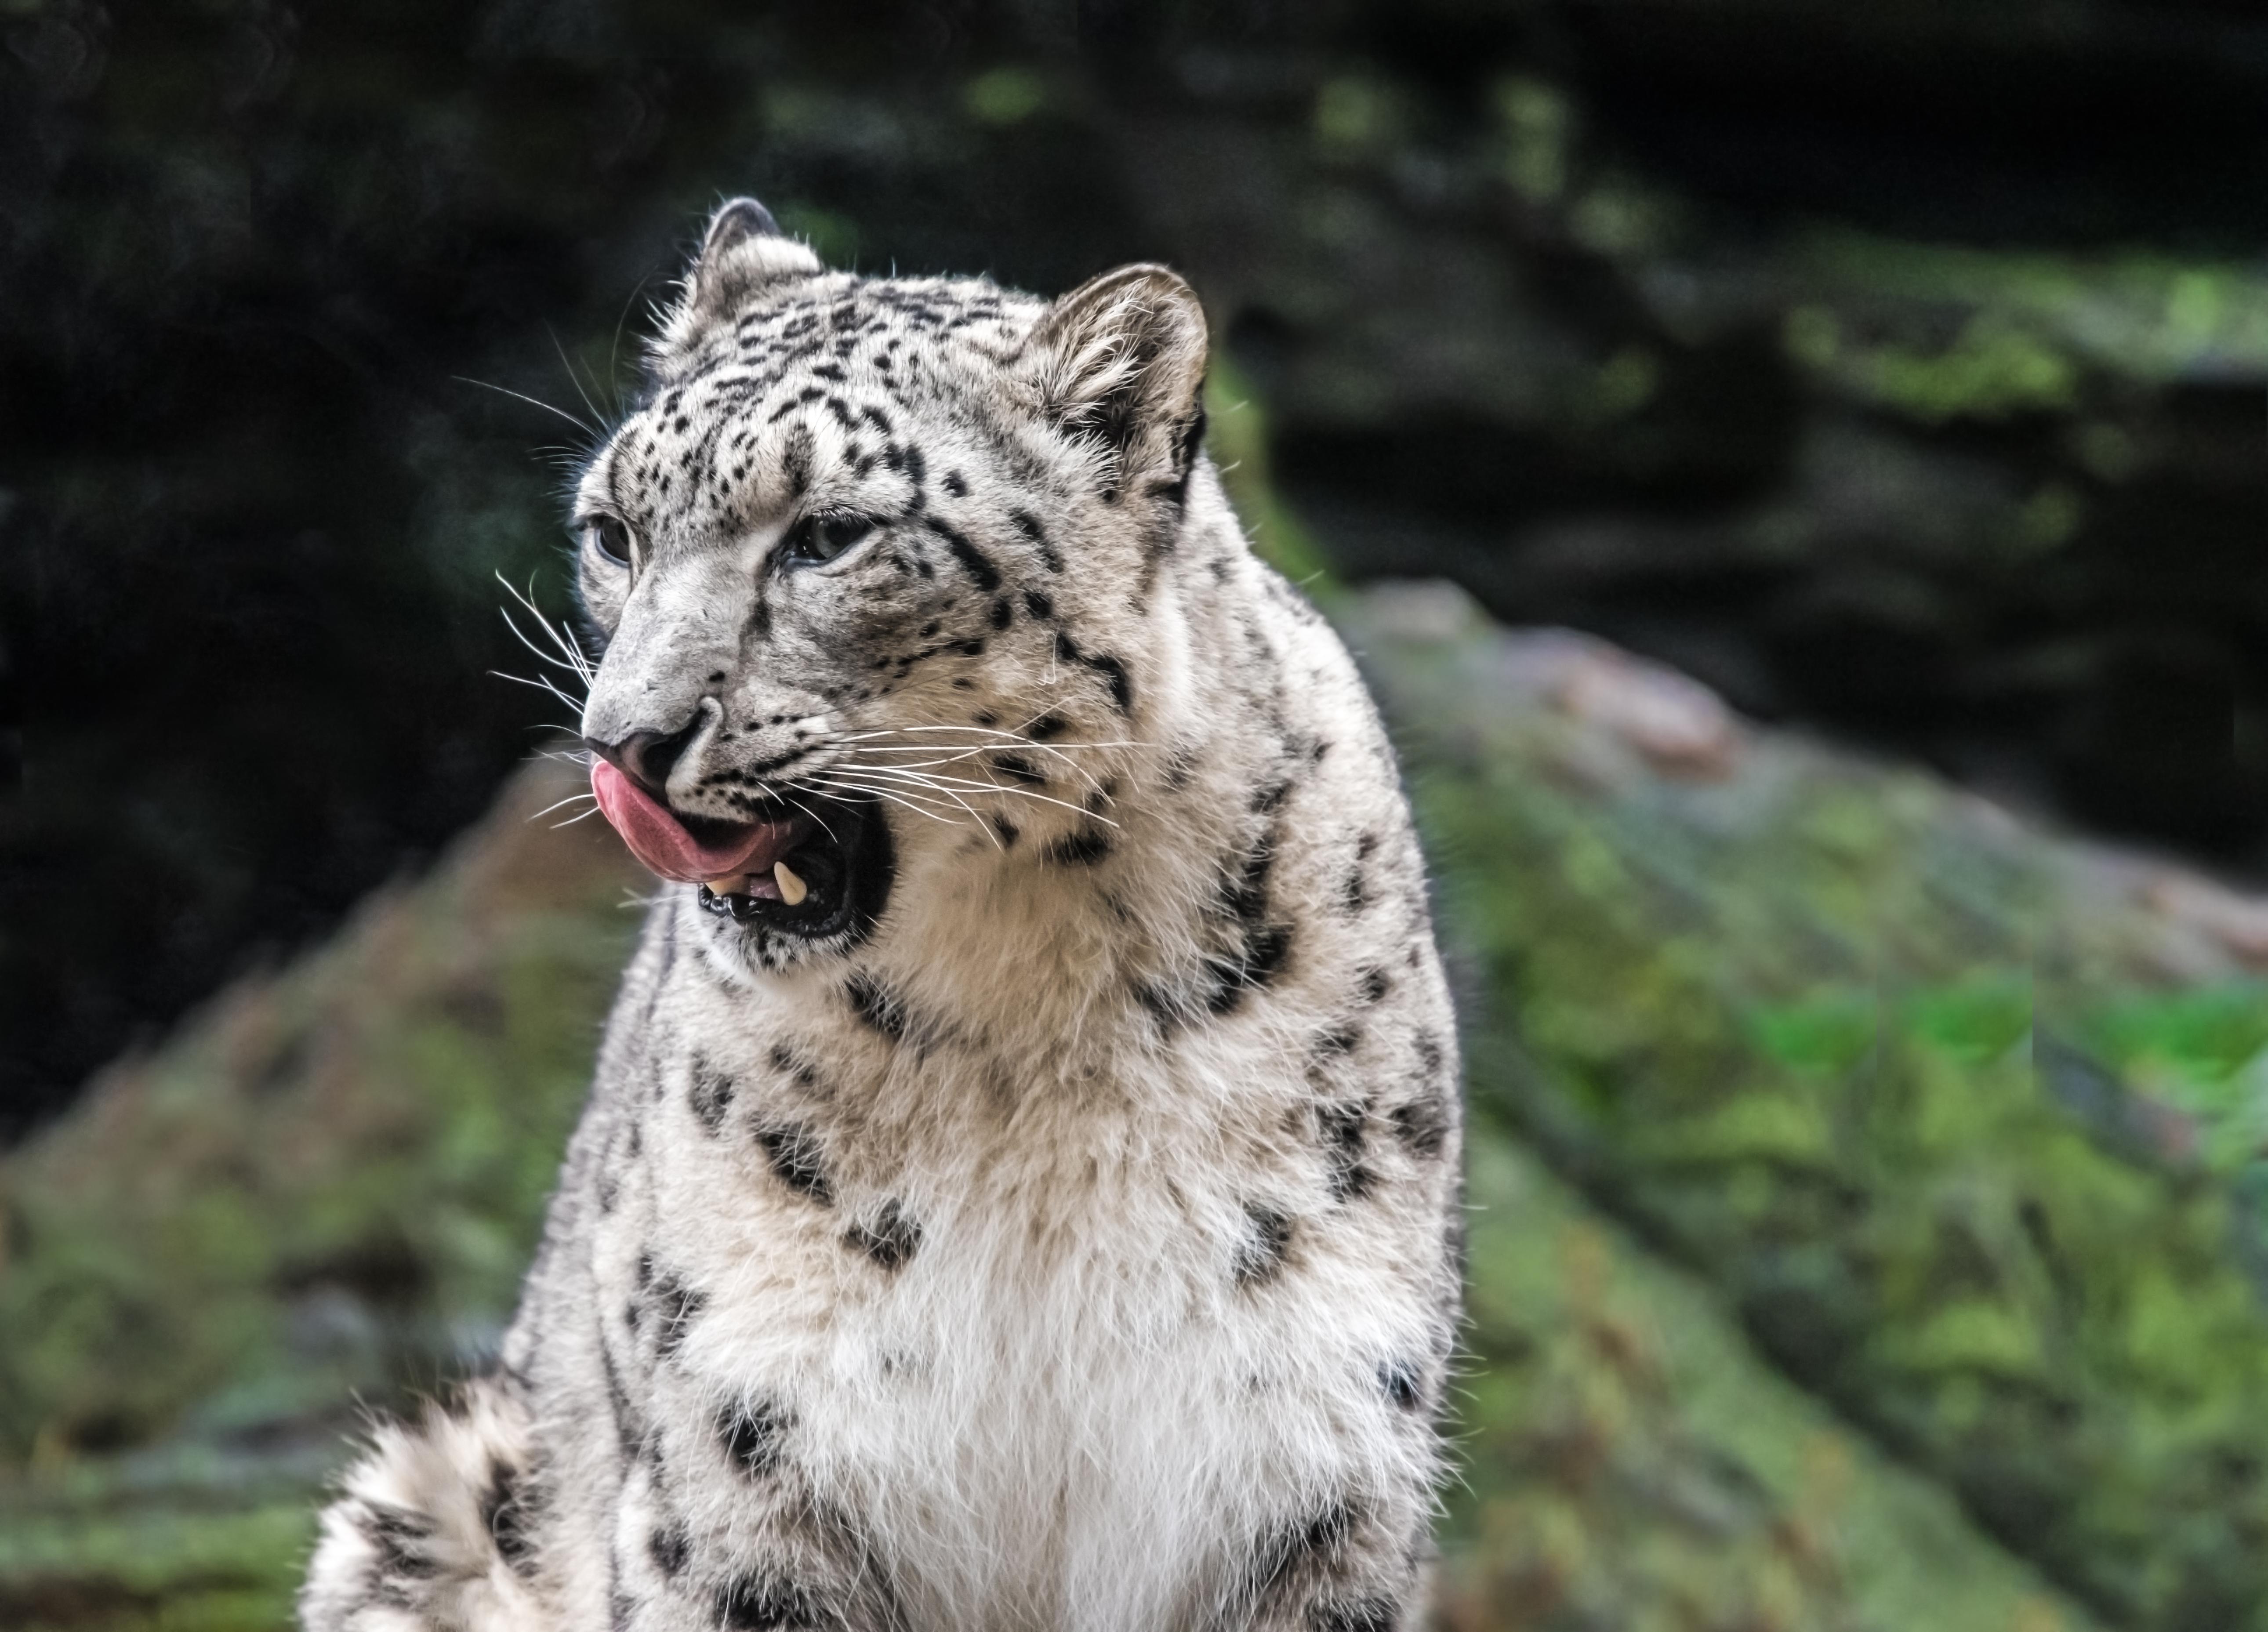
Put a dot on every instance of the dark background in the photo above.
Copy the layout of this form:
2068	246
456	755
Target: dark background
1897	369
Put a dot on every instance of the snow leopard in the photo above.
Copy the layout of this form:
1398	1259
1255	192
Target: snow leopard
1021	1184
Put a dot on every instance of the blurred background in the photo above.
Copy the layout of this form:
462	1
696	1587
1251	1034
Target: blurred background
1797	473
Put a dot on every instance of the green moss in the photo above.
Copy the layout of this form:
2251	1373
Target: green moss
1630	1461
1787	1021
1991	371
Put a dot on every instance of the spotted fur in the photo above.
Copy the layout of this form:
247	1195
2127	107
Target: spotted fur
1069	1241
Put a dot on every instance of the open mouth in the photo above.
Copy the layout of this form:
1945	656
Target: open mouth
833	877
814	870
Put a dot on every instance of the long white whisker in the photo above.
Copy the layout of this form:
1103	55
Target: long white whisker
542	682
573	378
556	804
571	820
980	747
614	349
1054	749
541	656
934	759
917	808
832	777
939	786
984	731
945	785
591	431
856	755
563	638
814	814
847	786
557	635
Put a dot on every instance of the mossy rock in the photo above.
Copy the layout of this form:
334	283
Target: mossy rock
1866	1053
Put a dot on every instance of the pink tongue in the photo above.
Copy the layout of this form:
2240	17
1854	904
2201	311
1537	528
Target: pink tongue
660	840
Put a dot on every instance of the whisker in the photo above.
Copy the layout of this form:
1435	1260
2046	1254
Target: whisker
556	804
938	785
980	747
542	682
935	758
858	755
814	814
541	656
574	378
833	776
917	809
591	432
614	349
855	752
945	784
558	635
1056	749
985	731
847	786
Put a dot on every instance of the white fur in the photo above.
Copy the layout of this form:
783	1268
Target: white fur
1090	1397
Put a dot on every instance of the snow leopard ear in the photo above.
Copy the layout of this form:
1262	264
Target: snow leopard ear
744	250
743	255
1120	359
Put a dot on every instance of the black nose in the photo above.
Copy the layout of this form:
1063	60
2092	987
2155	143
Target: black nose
645	756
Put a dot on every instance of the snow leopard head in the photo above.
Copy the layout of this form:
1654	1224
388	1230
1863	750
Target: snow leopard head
869	548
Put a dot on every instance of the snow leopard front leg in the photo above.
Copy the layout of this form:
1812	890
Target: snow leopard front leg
429	1532
440	1527
778	1555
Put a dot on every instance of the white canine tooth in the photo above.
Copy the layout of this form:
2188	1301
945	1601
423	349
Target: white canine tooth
792	889
731	883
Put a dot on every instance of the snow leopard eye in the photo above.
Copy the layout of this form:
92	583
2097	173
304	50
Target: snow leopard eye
817	539
610	536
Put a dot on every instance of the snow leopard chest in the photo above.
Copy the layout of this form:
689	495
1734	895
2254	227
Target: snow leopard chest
1009	1323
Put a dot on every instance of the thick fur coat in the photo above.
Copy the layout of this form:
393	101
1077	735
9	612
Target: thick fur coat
1052	1222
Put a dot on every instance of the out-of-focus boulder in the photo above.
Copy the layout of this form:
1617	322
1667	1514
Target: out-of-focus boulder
1967	1123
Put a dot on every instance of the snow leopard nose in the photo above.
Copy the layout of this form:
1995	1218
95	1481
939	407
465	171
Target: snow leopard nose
646	757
